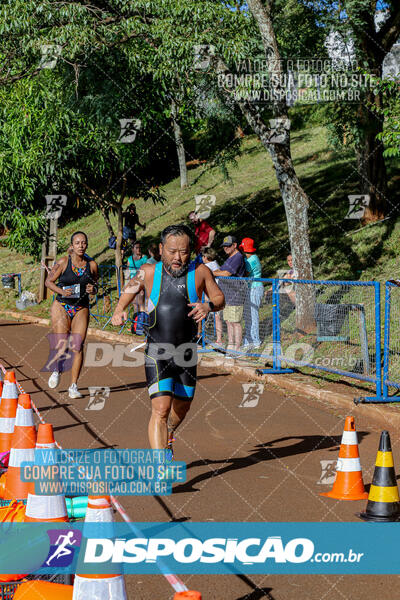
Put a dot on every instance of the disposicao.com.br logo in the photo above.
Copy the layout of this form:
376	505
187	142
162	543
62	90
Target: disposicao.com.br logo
248	551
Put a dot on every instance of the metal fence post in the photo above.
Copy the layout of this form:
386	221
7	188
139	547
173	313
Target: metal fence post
378	362
276	335
386	342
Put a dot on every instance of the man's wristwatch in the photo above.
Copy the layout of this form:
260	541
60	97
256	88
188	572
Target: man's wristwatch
211	305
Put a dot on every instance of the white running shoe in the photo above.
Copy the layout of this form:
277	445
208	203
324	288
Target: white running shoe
54	379
73	391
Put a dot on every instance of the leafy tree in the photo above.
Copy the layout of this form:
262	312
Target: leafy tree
358	21
390	136
62	135
160	37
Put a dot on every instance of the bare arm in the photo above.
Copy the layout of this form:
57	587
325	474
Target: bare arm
131	289
220	273
211	237
54	274
208	284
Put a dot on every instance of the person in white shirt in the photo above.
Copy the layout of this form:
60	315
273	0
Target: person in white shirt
209	259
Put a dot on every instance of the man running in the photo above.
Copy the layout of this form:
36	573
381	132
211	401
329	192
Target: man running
173	288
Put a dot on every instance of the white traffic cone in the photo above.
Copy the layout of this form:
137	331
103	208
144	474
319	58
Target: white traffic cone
46	508
99	587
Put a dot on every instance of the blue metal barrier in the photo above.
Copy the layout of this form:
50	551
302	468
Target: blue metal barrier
371	372
354	330
391	342
108	282
345	338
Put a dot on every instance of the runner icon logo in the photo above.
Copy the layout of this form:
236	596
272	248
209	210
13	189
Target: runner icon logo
204	204
54	205
98	397
357	205
61	351
129	130
63	543
202	56
328	472
50	55
251	394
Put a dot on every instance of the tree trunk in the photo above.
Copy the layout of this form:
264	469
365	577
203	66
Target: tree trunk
371	162
118	254
180	148
296	204
294	198
106	215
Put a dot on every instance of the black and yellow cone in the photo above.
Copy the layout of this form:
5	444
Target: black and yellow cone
383	500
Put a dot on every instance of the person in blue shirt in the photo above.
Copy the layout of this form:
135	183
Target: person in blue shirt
135	261
233	289
253	297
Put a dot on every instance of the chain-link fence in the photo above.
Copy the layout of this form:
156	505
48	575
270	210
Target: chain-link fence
102	307
391	353
331	326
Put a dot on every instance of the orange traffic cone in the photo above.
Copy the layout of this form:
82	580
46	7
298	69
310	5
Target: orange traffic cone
22	450
102	587
190	595
348	484
8	410
10	389
1	388
46	508
43	590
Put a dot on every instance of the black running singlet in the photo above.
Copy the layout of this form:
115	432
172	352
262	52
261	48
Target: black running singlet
171	350
70	278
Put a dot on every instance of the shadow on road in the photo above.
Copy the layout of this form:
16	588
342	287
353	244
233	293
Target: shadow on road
262	453
257	592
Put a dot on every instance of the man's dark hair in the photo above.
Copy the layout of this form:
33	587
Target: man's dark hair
180	229
79	233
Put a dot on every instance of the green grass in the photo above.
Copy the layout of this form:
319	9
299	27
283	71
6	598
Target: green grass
250	205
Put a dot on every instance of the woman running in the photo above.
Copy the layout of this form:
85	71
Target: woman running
77	276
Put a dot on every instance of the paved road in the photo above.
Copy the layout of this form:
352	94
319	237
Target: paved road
245	463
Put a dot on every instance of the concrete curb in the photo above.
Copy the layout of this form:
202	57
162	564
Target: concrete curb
105	335
383	415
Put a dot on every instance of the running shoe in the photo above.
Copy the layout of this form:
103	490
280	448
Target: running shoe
73	391
54	379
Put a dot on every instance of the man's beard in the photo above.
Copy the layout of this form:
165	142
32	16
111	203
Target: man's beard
176	272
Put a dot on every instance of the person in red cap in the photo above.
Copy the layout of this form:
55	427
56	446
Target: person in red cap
253	297
204	234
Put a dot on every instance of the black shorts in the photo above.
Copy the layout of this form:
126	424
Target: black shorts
171	375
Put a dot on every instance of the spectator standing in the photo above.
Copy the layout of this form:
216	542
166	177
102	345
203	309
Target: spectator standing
234	266
135	261
204	234
131	219
253	297
154	254
209	259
